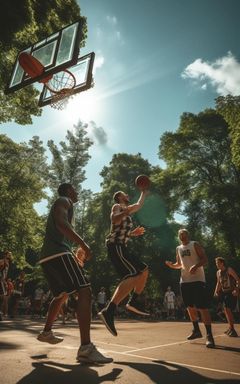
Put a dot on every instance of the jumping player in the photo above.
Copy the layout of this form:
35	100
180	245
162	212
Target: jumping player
132	271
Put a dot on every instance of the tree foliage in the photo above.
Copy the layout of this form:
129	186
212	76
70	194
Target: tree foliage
23	23
229	108
205	180
21	186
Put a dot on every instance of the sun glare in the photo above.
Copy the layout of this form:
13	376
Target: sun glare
84	106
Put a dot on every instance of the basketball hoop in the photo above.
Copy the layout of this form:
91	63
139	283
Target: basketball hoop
60	85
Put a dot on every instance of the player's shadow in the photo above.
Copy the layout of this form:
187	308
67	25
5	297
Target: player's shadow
52	372
162	372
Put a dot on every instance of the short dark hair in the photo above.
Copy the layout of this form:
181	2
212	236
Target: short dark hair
222	260
63	188
116	196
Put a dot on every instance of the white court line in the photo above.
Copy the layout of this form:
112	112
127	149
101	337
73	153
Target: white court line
155	346
165	362
115	345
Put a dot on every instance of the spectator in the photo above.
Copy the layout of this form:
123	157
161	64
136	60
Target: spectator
101	299
37	301
18	292
169	300
4	266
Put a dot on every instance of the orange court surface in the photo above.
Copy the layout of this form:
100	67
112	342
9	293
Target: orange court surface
144	352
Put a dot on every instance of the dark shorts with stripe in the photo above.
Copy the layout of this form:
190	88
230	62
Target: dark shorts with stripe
125	263
228	300
64	275
3	289
195	294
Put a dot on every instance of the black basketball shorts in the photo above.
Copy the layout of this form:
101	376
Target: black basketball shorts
125	263
195	294
64	274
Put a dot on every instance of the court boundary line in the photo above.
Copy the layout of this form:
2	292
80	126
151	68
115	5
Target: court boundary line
154	360
155	346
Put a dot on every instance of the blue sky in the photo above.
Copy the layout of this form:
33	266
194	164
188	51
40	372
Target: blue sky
155	59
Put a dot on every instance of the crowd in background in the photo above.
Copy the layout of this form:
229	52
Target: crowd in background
16	301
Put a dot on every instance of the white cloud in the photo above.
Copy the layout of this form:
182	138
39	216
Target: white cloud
111	20
108	31
98	62
223	74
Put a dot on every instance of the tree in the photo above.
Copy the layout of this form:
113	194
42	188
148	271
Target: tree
205	180
23	23
21	186
69	160
229	108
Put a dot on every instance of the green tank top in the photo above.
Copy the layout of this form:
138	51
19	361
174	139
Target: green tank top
54	241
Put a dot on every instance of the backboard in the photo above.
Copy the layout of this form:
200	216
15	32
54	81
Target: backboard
56	52
82	72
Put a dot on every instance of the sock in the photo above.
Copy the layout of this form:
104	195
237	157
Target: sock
208	329
111	307
196	326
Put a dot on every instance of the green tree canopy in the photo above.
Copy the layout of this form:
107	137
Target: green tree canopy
21	186
23	23
205	181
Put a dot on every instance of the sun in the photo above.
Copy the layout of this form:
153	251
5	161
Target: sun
83	106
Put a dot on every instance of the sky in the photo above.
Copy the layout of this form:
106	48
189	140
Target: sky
155	59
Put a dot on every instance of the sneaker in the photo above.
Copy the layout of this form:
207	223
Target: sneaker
49	337
232	333
194	335
90	354
136	307
108	320
210	341
227	331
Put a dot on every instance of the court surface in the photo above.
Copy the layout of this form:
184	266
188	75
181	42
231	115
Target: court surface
143	352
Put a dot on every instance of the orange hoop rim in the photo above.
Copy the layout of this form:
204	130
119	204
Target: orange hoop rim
51	89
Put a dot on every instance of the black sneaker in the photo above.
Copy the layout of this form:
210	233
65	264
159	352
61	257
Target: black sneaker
108	320
227	331
194	335
136	307
210	341
232	333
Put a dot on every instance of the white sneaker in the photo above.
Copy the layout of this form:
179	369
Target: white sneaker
49	337
89	354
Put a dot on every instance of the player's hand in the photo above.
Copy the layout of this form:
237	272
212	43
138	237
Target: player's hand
235	292
138	231
168	263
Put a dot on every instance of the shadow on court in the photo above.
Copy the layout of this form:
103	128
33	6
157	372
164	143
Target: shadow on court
166	373
52	372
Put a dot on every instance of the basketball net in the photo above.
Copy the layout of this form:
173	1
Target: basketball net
61	86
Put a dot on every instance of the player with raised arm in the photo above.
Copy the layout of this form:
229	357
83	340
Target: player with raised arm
132	270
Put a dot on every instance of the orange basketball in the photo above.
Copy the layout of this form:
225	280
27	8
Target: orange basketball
142	182
30	64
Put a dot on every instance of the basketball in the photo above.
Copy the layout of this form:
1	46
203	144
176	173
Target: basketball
142	182
30	64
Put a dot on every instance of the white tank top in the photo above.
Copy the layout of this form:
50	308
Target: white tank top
189	257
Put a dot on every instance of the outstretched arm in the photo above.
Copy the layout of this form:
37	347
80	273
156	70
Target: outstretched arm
176	265
138	231
135	207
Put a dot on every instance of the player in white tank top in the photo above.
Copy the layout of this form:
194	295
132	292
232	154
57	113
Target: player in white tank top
191	258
